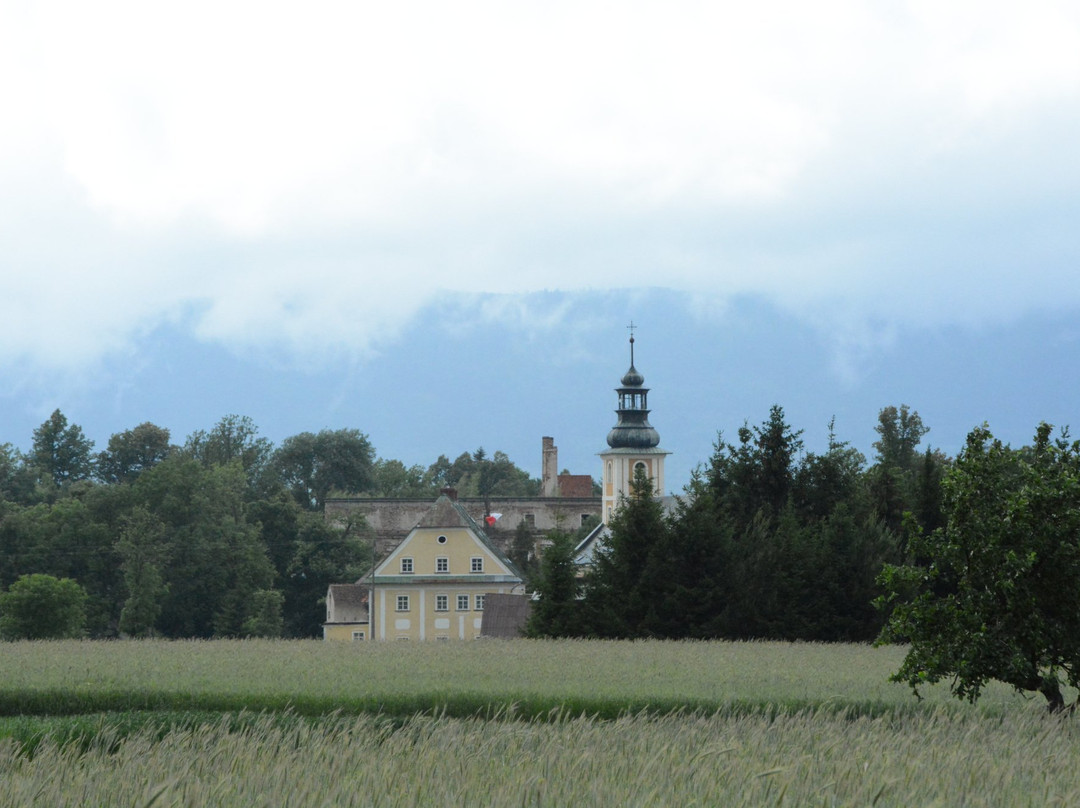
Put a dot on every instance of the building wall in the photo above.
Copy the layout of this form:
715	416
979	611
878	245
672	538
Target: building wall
392	519
618	473
412	571
343	632
422	620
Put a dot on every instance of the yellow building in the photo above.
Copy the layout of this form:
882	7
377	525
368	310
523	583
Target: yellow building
346	613
433	585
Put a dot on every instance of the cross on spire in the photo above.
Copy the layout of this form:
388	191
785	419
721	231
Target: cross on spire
631	328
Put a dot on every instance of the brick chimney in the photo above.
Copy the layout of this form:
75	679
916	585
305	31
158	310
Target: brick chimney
549	469
449	492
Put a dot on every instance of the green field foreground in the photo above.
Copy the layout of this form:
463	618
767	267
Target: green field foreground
530	678
309	723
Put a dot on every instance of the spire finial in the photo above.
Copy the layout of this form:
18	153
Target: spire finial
631	328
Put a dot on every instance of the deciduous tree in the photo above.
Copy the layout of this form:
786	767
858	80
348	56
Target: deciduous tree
142	547
995	593
312	465
40	607
133	451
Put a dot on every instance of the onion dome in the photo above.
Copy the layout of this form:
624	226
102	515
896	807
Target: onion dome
633	378
633	430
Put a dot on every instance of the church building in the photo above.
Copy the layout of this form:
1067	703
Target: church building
633	444
434	583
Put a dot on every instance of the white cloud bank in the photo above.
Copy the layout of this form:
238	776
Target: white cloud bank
307	177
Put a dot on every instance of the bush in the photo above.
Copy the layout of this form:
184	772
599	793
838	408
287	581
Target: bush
41	607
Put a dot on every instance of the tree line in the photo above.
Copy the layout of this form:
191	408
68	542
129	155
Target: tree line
767	542
220	536
972	562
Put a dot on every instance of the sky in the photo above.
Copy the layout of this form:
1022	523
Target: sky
433	222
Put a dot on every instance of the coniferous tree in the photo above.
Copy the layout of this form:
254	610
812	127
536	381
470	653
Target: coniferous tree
625	586
61	453
557	612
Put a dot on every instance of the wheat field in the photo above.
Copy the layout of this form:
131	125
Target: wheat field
759	724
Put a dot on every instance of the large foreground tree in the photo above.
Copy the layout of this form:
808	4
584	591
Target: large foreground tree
995	593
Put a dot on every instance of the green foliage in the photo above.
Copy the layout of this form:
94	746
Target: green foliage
900	431
322	555
477	475
16	475
61	453
71	538
312	465
264	618
902	481
216	558
394	479
623	588
233	438
132	452
995	593
773	544
557	613
143	549
39	607
523	553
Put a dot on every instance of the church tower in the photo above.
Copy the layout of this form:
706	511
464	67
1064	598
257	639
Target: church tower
632	442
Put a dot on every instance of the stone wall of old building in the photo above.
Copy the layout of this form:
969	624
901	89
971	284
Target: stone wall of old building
390	520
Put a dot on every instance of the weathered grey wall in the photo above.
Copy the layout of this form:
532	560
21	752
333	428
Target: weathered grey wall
392	519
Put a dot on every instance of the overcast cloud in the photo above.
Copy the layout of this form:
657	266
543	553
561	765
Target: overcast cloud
304	180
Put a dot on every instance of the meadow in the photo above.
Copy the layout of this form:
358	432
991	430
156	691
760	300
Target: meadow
509	723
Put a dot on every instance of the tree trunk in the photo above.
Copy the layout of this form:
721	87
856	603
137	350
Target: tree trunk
1051	690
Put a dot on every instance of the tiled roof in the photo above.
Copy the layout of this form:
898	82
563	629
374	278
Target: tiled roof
348	594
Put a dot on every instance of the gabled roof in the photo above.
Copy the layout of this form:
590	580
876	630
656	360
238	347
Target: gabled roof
448	513
348	594
586	549
346	603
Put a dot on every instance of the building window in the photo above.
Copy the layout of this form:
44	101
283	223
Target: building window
463	603
403	603
442	603
480	602
442	637
476	564
358	635
442	564
530	519
406	566
441	540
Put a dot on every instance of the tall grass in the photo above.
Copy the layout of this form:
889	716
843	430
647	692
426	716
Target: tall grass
938	757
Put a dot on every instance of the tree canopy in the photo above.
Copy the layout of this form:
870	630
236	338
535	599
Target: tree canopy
41	607
994	594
